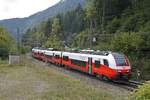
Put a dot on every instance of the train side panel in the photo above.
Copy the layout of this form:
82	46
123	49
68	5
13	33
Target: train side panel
76	61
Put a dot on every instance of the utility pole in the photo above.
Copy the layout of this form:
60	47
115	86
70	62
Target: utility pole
18	40
135	3
91	32
103	16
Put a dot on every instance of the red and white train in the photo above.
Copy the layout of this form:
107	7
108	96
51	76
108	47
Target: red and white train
106	65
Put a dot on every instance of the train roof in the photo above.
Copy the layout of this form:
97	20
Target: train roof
102	53
87	52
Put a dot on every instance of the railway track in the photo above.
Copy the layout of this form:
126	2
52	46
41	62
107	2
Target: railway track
134	84
129	85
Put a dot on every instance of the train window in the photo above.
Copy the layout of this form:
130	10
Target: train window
78	62
66	58
49	56
120	59
106	62
57	56
97	64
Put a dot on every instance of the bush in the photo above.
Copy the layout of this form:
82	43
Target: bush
4	51
142	93
145	69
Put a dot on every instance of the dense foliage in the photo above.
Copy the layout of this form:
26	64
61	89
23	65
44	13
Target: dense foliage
142	93
7	43
127	42
51	42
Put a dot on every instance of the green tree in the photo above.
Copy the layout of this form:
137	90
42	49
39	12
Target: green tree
91	14
6	42
113	26
127	42
53	42
56	27
81	40
47	28
145	30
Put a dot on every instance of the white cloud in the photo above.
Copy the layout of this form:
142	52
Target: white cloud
23	8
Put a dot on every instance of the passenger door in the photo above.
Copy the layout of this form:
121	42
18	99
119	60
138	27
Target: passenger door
90	65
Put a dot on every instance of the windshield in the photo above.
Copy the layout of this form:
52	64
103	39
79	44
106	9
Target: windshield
120	59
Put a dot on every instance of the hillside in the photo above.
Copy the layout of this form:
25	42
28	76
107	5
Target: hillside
24	23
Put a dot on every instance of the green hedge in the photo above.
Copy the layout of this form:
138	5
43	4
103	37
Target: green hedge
142	93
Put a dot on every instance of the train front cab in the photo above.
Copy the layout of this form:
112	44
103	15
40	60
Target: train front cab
123	67
113	67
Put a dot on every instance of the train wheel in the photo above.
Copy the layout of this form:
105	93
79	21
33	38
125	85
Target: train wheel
46	61
99	76
105	78
95	75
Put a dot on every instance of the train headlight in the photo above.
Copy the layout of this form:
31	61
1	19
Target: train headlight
124	71
119	71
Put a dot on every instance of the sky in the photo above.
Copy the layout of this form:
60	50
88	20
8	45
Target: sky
23	8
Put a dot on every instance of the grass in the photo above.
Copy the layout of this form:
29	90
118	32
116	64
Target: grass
3	62
30	81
